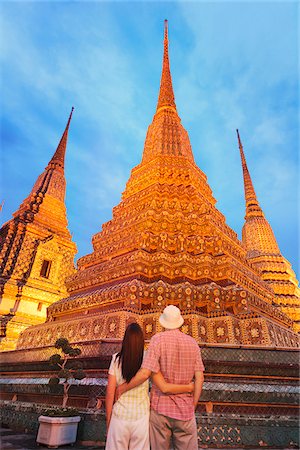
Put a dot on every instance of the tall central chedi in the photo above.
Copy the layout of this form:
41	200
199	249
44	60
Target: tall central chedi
167	243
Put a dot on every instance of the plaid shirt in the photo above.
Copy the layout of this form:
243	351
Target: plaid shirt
177	356
134	403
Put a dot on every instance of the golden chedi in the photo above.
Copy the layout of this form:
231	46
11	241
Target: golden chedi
264	253
167	243
36	252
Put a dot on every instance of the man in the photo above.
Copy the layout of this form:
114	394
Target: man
178	357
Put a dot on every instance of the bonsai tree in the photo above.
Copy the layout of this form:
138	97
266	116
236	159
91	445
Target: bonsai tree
67	367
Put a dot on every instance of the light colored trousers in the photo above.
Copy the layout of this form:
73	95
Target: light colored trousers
183	433
128	434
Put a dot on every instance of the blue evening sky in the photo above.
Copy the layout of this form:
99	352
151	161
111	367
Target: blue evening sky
234	65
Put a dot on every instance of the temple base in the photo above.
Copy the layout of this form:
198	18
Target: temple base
248	329
250	395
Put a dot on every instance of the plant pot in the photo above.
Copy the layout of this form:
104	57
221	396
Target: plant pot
55	431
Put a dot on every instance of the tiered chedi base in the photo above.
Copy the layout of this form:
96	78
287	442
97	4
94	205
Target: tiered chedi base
105	313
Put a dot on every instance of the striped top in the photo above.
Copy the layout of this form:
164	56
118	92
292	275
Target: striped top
134	403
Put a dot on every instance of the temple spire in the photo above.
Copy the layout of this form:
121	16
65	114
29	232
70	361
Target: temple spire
252	205
263	252
166	136
36	251
51	182
58	158
166	94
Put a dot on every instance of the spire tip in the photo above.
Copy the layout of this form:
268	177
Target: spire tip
70	117
166	29
238	136
59	155
166	94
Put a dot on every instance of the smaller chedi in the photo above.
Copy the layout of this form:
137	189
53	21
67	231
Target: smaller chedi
263	252
36	252
167	243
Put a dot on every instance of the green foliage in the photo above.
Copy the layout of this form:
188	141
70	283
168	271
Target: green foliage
79	374
61	343
74	351
64	373
55	359
67	349
66	367
61	412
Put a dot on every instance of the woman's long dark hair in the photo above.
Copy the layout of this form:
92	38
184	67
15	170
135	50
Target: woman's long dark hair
132	351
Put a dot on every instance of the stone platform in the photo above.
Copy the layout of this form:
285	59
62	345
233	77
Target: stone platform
250	396
12	440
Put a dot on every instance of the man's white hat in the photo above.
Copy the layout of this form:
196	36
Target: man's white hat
171	318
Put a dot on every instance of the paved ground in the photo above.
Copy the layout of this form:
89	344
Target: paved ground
12	440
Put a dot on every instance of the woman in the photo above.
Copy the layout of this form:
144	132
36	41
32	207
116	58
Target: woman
127	421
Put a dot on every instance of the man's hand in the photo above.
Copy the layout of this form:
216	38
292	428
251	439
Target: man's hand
139	378
192	387
120	391
199	379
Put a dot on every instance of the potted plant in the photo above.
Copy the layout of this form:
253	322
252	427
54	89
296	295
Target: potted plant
59	426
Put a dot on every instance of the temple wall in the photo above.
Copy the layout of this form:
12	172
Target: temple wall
250	396
221	432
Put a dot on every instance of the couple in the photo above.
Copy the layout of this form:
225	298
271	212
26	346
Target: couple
173	360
